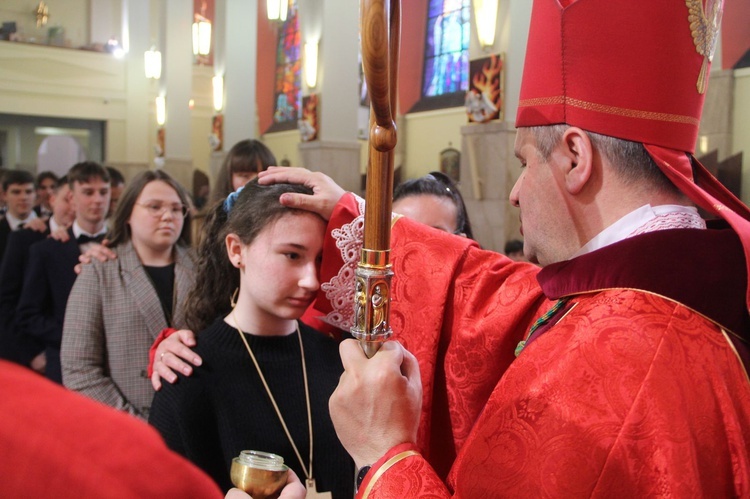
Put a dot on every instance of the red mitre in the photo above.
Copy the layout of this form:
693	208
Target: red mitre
635	70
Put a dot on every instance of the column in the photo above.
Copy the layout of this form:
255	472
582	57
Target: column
489	168
240	56
337	150
138	114
177	77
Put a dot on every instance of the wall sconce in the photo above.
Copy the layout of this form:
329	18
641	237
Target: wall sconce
485	17
277	9
161	110
152	59
218	84
311	63
703	144
201	35
42	14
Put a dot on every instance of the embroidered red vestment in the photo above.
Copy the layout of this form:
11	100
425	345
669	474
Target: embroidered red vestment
630	394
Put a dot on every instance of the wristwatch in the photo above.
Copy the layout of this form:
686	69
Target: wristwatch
361	476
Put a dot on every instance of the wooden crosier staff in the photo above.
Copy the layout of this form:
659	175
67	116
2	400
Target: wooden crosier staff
380	26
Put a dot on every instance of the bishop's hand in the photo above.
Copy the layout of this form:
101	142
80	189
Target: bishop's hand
377	403
326	192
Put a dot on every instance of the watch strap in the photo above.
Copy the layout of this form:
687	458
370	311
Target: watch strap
361	473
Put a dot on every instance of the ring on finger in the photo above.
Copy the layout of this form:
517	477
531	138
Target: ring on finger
161	357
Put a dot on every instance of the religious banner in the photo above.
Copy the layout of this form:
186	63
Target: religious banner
484	99
308	124
160	140
216	139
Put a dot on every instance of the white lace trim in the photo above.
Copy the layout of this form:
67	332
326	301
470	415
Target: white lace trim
647	218
340	289
674	220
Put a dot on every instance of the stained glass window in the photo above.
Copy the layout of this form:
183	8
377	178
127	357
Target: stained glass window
288	86
446	63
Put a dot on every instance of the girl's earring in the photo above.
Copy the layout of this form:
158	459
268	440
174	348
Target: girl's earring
233	299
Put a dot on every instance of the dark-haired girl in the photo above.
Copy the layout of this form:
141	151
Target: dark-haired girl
433	200
266	378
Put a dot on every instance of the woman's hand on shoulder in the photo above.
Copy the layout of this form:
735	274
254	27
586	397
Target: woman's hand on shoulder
61	234
174	355
96	251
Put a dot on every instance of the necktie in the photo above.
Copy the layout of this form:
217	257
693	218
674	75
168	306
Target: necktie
83	239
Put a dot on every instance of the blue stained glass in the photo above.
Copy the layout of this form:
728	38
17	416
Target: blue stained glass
435	9
446	67
430	49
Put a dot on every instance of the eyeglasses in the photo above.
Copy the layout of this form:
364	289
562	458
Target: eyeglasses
157	210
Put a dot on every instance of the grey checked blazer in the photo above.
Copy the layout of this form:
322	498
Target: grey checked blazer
112	318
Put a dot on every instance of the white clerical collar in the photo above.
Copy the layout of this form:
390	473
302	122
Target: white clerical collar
647	218
78	231
16	223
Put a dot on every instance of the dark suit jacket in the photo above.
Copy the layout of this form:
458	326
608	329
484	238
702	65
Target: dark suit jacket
4	233
19	348
46	286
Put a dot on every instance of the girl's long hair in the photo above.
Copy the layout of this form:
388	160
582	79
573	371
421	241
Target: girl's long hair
216	278
247	155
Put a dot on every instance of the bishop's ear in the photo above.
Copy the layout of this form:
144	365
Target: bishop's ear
580	154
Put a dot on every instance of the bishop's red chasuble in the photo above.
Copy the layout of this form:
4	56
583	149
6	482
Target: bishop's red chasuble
634	387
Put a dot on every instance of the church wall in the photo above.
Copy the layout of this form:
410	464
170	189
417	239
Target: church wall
285	145
741	126
71	15
425	135
48	81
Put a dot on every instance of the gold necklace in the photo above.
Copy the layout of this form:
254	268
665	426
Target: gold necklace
312	491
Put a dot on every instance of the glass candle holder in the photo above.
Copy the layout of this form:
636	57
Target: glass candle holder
260	474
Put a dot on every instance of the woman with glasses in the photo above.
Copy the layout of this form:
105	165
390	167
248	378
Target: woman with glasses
433	200
117	308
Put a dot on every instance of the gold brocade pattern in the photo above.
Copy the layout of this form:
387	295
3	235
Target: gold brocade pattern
613	110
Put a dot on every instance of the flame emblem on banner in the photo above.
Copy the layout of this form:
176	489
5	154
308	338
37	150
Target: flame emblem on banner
705	31
483	100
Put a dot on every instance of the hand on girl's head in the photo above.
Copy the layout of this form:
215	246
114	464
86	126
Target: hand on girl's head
326	193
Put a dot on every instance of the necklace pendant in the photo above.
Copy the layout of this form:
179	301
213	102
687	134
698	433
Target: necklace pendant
313	493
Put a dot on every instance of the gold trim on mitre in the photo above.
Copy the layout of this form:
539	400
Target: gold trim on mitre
612	110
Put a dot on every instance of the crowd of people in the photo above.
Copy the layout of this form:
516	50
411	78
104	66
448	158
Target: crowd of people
605	354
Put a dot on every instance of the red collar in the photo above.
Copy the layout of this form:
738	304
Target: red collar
702	269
